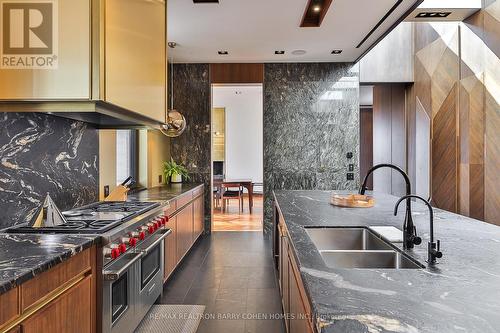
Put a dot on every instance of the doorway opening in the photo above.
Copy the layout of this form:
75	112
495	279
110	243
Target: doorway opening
237	157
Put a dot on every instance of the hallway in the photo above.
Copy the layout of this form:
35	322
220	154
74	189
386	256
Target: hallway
232	274
234	220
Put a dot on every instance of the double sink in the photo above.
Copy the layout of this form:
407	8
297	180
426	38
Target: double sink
358	248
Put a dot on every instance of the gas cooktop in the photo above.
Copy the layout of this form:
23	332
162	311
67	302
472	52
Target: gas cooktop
95	218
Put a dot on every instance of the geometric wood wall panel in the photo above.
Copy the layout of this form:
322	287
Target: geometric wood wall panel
444	154
492	159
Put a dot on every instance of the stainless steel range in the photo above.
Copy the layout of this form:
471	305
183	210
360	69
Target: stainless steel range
133	236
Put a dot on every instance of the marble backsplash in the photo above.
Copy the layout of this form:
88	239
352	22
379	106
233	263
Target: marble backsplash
311	122
192	99
42	154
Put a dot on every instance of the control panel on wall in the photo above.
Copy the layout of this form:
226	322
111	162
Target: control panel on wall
350	168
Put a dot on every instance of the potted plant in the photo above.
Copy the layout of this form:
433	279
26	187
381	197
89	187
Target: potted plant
174	172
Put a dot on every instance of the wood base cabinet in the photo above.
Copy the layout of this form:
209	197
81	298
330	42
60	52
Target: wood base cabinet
69	313
184	231
198	220
186	221
61	299
296	307
170	256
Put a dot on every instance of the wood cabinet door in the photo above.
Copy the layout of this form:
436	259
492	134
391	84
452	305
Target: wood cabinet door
135	57
184	230
71	312
298	321
285	278
198	206
171	248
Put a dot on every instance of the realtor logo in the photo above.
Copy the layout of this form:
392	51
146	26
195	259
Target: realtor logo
28	34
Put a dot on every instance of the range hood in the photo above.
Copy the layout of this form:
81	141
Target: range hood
96	61
101	114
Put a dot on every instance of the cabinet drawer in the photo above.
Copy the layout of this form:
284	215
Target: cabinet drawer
197	192
71	312
9	308
172	207
36	288
184	200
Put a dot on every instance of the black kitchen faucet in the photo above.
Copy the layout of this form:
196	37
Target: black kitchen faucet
410	238
433	248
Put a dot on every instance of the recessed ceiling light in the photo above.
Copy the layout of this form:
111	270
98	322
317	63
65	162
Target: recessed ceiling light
299	52
433	14
279	52
316	9
223	52
336	51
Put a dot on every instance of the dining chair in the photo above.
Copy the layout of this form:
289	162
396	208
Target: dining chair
232	191
217	191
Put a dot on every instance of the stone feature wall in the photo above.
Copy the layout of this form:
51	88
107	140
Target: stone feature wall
311	122
42	154
192	148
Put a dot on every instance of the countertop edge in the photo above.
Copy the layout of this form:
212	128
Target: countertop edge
48	264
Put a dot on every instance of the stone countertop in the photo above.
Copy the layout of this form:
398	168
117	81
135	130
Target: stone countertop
163	193
460	294
23	256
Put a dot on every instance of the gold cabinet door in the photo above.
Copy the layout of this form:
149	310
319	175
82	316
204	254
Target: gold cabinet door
70	43
135	56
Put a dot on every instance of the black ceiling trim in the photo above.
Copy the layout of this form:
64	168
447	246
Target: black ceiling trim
396	5
206	1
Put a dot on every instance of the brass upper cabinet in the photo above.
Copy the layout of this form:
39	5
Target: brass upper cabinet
135	56
106	57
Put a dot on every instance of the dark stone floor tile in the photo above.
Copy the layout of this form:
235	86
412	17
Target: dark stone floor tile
201	296
236	295
264	326
221	326
264	301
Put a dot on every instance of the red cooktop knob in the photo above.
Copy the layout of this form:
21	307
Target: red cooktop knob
142	235
151	229
115	253
122	247
165	219
132	241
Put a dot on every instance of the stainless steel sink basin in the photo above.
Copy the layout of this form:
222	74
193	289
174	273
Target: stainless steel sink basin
346	239
367	259
357	248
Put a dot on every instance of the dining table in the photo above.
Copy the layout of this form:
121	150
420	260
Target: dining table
246	183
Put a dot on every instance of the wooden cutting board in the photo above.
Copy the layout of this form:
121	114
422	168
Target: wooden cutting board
352	200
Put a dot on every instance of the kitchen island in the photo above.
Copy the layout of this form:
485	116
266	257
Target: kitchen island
459	294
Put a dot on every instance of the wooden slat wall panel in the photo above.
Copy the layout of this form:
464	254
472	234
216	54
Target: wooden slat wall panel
236	73
389	136
366	143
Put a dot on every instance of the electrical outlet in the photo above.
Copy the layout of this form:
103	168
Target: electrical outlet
351	167
349	155
160	179
350	176
106	190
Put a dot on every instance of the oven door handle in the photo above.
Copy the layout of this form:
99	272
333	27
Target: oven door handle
156	242
115	274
